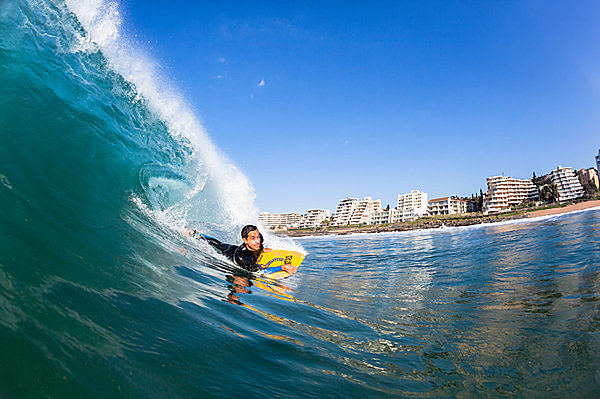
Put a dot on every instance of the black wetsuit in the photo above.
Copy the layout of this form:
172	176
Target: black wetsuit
238	254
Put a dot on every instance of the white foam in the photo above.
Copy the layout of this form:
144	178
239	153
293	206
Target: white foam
5	182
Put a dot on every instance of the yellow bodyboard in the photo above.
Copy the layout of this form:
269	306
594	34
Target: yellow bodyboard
280	257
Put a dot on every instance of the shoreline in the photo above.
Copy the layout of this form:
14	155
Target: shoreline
441	222
580	206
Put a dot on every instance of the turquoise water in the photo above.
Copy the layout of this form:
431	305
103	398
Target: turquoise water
102	296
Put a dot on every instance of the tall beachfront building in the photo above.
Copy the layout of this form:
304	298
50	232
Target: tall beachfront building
279	220
353	211
506	192
598	162
343	212
410	206
384	216
314	217
365	210
567	183
446	206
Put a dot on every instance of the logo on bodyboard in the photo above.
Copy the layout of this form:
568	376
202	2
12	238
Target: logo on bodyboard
274	260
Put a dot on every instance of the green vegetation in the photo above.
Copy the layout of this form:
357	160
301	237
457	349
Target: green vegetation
548	190
590	191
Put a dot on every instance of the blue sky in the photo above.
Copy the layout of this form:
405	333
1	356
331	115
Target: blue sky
318	101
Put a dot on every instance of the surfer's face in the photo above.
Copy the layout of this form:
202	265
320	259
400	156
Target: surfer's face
252	241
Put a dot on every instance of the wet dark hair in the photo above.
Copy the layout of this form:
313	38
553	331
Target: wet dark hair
247	229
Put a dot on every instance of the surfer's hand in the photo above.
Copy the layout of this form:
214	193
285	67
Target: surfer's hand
267	249
190	233
290	269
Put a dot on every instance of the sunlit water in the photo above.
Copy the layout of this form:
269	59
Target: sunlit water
504	310
496	311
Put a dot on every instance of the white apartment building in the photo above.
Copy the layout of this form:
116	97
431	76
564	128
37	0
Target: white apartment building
446	206
269	220
404	215
567	183
274	221
589	176
344	211
410	206
353	211
395	216
365	210
506	192
314	217
384	216
598	161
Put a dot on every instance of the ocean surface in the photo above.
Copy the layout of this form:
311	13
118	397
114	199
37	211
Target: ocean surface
102	166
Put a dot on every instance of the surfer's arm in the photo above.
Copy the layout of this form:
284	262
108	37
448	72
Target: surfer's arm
290	269
225	249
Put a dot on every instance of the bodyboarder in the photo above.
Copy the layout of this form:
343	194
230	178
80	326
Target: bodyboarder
246	254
